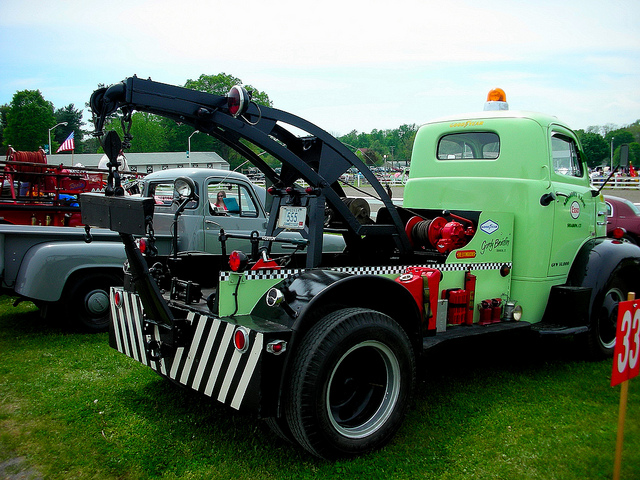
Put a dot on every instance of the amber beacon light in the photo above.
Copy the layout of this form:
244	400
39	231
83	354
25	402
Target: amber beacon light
496	100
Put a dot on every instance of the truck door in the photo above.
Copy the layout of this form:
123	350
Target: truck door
574	215
230	205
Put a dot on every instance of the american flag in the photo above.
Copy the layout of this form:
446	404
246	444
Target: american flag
67	145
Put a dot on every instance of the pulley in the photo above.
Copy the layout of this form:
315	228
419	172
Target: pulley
438	233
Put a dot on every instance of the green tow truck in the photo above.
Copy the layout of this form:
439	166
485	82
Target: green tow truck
500	231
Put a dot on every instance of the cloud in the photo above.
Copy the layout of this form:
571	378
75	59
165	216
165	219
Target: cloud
364	64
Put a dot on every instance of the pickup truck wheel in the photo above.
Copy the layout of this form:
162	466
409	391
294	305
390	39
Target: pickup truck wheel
87	303
351	382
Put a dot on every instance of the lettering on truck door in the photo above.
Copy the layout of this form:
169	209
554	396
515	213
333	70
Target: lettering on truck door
574	207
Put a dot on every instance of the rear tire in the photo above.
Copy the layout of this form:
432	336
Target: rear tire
280	428
87	301
352	379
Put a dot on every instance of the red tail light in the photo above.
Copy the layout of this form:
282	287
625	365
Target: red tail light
618	233
238	261
142	245
117	298
238	100
241	339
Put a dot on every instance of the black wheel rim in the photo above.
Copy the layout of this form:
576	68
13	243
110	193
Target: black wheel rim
607	321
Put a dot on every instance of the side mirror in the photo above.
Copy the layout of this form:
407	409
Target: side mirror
547	199
624	155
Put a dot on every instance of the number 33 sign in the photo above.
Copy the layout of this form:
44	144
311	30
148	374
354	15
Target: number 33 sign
626	359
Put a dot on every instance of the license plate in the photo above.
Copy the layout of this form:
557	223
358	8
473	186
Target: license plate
292	217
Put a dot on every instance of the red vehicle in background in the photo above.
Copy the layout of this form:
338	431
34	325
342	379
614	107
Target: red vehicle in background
623	219
36	193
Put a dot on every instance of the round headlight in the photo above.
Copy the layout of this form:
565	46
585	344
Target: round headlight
274	297
184	187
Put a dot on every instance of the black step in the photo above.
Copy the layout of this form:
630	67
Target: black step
543	328
457	332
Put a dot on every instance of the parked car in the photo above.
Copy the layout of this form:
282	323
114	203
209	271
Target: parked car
623	219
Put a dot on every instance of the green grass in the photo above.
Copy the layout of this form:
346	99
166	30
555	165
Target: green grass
74	408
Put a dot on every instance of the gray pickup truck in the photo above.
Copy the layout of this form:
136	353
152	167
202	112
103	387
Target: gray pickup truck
68	278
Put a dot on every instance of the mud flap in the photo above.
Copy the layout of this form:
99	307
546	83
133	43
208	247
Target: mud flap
209	363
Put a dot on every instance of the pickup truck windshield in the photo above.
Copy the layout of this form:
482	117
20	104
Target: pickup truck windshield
162	193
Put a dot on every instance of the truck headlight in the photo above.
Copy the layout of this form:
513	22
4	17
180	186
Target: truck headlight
274	297
184	187
512	311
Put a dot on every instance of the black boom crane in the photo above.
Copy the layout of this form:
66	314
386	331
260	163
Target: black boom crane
317	158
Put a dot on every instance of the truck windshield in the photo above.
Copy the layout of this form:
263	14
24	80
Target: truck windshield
469	146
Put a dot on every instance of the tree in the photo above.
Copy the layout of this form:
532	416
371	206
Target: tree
154	133
3	123
619	136
29	118
148	131
396	144
634	128
406	134
595	148
73	118
221	83
634	154
368	156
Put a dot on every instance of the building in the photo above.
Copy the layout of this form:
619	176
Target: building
145	162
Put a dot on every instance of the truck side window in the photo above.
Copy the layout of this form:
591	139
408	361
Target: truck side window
566	160
469	146
228	198
162	193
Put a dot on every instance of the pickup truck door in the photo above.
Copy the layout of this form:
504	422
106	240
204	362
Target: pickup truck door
234	207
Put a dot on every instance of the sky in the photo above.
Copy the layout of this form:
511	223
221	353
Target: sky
344	65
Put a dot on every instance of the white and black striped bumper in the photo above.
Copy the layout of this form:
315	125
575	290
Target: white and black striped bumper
209	362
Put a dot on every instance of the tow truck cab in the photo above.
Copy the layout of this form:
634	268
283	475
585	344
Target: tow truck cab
527	168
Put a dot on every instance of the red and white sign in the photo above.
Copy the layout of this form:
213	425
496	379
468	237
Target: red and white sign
626	358
575	210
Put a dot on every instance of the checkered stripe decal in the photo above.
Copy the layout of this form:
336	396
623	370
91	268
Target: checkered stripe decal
210	364
378	270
